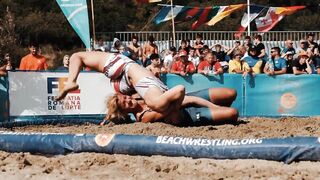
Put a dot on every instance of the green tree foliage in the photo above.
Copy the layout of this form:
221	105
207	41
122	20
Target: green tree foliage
8	40
43	21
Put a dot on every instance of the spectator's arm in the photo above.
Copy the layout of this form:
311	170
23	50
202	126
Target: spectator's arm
156	51
191	68
309	70
296	71
174	69
266	68
282	71
201	69
263	53
219	70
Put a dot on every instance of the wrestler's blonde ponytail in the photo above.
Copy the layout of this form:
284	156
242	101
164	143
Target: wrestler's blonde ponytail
115	113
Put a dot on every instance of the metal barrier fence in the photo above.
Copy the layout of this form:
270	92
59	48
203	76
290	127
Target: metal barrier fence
164	38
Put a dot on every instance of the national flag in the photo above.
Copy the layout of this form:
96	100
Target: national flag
254	12
224	12
147	1
273	16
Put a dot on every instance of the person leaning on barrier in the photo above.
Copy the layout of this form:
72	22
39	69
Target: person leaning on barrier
301	65
183	67
237	65
193	57
253	61
169	58
276	64
289	61
210	65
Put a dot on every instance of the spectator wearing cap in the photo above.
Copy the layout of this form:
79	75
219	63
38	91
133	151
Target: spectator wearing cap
314	48
289	60
169	58
301	65
288	47
253	61
33	61
210	65
155	66
183	66
276	64
236	65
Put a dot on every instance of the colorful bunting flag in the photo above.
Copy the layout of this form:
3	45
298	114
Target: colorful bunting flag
254	12
207	15
200	14
165	13
224	13
273	16
147	1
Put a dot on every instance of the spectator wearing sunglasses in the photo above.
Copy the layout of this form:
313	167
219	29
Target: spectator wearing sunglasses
276	64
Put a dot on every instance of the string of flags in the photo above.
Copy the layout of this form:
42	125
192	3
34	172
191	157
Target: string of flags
212	14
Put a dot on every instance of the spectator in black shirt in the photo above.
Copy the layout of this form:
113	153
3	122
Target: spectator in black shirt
301	65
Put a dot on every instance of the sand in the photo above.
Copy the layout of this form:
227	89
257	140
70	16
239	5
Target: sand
105	166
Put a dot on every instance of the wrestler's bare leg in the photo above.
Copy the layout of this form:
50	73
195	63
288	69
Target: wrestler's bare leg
167	101
224	114
93	60
222	96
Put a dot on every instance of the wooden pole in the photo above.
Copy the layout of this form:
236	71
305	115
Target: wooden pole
248	11
173	26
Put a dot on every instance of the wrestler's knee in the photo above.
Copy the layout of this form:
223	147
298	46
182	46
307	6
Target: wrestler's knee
232	114
231	93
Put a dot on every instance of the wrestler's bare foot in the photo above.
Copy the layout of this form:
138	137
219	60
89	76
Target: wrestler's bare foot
67	88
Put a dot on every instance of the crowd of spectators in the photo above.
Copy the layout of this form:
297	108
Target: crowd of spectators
247	57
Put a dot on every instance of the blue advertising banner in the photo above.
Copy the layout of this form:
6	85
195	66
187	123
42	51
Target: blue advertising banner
197	82
284	95
76	12
287	149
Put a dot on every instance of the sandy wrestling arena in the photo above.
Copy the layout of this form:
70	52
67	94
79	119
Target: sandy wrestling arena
104	166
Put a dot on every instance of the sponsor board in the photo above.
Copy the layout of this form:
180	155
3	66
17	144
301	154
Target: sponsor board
33	93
